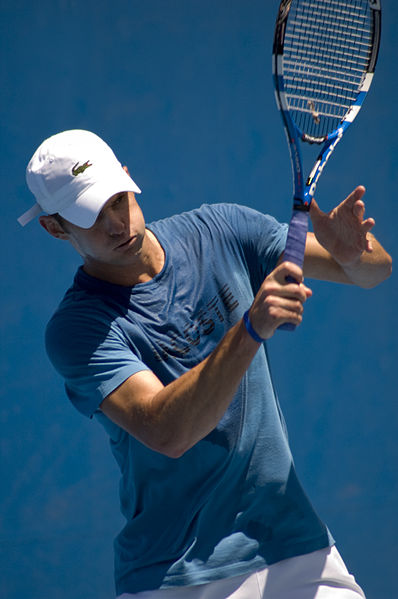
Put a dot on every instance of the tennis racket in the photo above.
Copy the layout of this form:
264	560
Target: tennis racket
324	57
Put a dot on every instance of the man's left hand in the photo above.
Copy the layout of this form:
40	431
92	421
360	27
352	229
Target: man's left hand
343	231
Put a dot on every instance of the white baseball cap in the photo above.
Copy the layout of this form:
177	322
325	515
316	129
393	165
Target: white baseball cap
74	173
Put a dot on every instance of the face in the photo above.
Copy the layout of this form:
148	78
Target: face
116	237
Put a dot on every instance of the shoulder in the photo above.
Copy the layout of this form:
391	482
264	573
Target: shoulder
238	216
205	211
222	217
248	225
82	322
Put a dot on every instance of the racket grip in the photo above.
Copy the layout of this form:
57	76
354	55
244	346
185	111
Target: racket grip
296	238
295	248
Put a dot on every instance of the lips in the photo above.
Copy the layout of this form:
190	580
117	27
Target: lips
125	244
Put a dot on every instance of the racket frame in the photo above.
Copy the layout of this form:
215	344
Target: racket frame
304	190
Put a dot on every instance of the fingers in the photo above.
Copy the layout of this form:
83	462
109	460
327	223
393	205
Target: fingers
359	209
344	231
289	270
359	212
286	270
369	246
368	224
355	203
355	195
367	227
279	300
364	243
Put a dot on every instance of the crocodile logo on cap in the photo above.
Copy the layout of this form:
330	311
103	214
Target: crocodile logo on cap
77	170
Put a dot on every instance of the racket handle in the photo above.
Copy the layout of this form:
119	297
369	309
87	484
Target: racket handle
295	248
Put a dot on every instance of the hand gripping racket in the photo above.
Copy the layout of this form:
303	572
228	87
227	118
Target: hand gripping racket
324	56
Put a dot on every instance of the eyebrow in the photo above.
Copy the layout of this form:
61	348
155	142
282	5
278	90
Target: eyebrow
119	195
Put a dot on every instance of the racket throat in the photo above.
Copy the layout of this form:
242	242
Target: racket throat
302	205
321	162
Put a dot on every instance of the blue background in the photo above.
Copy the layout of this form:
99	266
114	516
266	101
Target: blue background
182	91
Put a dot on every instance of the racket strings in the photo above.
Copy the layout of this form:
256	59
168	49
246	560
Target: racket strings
326	54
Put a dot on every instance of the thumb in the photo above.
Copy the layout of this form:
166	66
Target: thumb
314	208
315	212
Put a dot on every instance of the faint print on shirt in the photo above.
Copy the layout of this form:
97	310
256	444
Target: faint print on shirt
203	324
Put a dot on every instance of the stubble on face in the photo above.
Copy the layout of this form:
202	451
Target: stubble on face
118	248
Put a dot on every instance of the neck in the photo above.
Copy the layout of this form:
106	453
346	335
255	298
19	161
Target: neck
143	266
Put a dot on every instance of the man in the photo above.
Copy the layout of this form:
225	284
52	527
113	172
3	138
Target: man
161	339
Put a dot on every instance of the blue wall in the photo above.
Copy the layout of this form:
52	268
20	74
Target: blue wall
182	90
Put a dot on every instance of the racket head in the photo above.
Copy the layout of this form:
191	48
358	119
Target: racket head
324	57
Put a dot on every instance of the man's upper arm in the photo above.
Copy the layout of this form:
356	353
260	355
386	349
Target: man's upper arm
91	353
129	405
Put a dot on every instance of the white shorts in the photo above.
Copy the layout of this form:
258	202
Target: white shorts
318	575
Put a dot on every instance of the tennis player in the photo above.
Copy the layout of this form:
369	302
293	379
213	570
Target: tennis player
161	339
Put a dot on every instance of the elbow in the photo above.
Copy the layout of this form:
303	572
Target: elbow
169	449
175	452
167	432
164	442
167	441
388	268
383	272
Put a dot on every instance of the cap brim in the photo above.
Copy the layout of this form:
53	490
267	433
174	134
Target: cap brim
84	211
29	215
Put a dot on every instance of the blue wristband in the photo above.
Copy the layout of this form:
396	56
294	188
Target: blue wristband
250	329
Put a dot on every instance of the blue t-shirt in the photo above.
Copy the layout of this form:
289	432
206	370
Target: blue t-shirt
232	504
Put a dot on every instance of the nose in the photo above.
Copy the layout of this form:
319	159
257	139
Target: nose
114	224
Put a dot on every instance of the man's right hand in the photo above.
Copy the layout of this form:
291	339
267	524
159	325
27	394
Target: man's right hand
279	301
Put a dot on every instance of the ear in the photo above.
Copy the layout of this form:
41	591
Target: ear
126	170
53	227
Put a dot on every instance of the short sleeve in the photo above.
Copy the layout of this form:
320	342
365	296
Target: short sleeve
261	237
92	355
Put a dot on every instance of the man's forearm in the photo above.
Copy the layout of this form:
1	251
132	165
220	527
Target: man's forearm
193	404
370	269
172	418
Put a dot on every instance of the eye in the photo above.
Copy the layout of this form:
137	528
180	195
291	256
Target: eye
119	199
